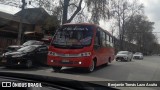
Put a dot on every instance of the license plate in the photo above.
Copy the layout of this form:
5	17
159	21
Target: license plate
3	61
65	61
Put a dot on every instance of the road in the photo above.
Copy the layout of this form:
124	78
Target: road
136	70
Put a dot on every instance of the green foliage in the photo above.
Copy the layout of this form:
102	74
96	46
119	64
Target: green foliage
139	29
51	24
99	10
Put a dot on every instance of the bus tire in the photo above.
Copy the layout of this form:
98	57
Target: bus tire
109	61
92	66
56	69
106	64
130	59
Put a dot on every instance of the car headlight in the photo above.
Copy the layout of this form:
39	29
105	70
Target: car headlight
85	54
18	55
2	55
125	57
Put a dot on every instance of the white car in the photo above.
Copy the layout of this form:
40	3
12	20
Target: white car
138	55
124	56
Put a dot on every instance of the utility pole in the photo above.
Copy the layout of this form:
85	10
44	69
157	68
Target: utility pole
21	22
122	29
65	11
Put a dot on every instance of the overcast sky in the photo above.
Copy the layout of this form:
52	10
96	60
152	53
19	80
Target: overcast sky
152	10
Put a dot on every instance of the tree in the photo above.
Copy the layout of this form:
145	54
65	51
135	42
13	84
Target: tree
69	10
65	10
99	10
139	29
76	8
155	48
50	25
123	10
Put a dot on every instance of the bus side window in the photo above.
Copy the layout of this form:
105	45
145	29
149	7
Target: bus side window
103	39
97	38
111	42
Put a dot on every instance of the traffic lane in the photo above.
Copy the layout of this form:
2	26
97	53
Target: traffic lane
35	68
113	71
136	70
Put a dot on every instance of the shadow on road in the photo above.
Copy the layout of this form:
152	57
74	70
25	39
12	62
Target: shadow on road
81	70
36	68
126	61
73	71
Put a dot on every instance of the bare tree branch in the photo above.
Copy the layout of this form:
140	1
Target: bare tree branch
77	10
73	4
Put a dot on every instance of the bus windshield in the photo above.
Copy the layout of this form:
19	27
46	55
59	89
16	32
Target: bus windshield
73	36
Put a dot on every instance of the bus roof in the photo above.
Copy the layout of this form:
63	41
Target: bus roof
87	24
80	24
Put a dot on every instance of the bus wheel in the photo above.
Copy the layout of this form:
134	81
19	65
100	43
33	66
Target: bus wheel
91	67
109	60
130	59
106	64
56	69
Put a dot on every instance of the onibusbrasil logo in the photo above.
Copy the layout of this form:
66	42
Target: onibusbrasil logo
18	84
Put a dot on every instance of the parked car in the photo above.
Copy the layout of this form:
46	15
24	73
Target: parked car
16	47
124	56
26	56
12	48
138	55
33	42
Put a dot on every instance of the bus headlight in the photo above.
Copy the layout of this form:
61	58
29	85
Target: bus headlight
52	53
86	54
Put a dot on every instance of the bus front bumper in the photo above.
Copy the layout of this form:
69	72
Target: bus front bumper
69	62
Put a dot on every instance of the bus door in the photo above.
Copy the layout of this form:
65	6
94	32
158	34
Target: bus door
97	48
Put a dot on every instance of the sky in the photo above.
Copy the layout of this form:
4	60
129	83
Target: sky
152	11
8	9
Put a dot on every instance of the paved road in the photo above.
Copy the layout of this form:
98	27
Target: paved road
136	70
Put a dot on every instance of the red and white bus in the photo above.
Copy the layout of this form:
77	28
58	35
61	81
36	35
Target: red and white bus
81	45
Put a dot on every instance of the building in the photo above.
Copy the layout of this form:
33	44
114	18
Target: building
33	19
